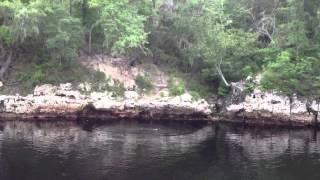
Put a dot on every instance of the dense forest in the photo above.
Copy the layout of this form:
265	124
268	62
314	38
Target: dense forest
215	42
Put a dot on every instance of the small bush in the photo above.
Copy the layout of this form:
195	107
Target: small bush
144	83
196	86
118	89
249	87
195	95
176	86
223	90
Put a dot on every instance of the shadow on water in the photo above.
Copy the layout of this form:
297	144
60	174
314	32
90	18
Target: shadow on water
121	150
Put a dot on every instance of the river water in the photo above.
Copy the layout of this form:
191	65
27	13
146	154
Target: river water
150	151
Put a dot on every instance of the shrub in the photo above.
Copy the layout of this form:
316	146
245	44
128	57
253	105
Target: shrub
144	83
176	86
223	90
249	86
196	86
195	95
118	89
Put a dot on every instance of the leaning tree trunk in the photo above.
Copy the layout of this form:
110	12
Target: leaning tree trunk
218	68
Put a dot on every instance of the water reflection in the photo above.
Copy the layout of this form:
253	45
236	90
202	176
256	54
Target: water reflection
132	150
267	144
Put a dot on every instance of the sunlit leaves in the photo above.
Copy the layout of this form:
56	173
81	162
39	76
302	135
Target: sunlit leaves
123	27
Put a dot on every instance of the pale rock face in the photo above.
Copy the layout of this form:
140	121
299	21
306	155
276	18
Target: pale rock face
95	96
43	90
64	90
175	100
66	87
106	103
164	93
271	102
130	103
1	84
186	97
49	99
86	87
70	94
111	82
131	95
202	105
130	84
135	71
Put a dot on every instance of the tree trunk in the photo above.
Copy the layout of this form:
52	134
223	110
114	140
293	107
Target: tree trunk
311	8
5	65
168	5
90	35
154	4
90	41
70	7
218	68
290	106
316	118
84	11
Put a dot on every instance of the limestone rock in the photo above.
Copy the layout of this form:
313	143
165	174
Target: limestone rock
63	101
46	89
85	87
186	97
273	106
69	94
131	95
66	87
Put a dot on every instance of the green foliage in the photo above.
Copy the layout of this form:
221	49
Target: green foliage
144	83
46	23
65	39
250	85
195	95
291	76
176	86
196	86
122	26
37	74
118	89
223	90
20	21
5	34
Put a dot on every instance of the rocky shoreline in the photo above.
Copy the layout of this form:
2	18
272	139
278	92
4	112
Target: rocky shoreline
50	102
274	109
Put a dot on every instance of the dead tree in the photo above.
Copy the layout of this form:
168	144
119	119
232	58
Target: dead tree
265	25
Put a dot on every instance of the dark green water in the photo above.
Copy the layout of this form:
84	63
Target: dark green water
144	151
